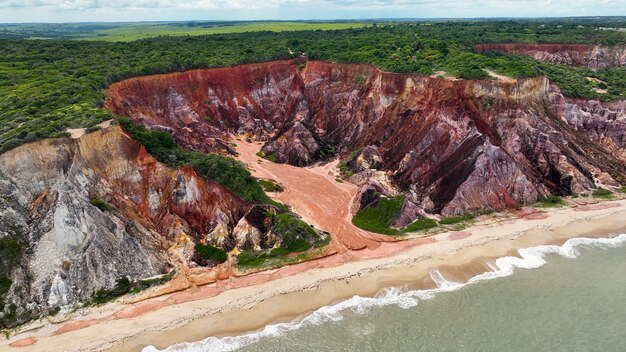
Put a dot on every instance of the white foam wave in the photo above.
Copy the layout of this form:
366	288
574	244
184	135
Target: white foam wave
529	258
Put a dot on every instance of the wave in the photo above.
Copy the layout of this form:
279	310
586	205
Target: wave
529	258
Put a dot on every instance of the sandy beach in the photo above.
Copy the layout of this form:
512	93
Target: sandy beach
249	303
356	262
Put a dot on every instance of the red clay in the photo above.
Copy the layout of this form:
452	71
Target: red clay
24	342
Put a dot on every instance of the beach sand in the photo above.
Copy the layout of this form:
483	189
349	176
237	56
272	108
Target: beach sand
355	263
195	314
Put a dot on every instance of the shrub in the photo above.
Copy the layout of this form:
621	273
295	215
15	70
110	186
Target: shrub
211	254
296	235
251	259
231	173
125	286
5	285
420	225
602	193
99	203
378	218
122	287
268	186
552	201
456	219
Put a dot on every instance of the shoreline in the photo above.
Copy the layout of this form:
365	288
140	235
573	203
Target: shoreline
248	308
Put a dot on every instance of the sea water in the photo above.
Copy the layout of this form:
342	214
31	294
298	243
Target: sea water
550	298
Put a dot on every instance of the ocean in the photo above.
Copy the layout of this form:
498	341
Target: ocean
554	298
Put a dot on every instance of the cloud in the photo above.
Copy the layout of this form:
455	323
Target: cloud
214	4
42	10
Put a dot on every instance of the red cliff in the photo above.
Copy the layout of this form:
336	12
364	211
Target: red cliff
592	56
450	146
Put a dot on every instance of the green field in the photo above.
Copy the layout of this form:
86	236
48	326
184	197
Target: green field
135	32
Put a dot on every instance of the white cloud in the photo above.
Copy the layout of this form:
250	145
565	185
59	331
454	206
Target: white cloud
110	10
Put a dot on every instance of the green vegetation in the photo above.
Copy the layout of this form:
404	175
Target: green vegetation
48	86
130	33
451	220
296	236
378	218
221	169
11	250
623	188
271	259
344	165
125	286
99	203
551	202
420	225
210	254
268	186
602	193
139	30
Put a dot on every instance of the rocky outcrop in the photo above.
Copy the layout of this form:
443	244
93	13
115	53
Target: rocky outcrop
605	123
450	146
93	210
592	56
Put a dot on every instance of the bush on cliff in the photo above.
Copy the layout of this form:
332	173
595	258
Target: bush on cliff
296	237
420	225
378	218
551	202
226	171
451	220
126	286
208	255
602	193
99	203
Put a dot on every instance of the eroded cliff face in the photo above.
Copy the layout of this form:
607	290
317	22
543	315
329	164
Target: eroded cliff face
72	248
604	123
592	56
450	146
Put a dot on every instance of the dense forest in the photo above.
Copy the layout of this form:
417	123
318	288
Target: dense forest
48	86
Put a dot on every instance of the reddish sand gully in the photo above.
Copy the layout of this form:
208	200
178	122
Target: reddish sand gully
315	195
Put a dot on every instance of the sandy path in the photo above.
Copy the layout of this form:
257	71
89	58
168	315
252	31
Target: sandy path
314	194
502	78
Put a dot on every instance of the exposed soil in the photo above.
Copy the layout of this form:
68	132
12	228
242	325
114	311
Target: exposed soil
313	193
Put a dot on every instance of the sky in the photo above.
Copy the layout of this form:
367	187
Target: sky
176	10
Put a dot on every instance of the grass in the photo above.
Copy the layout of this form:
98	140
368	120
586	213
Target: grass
623	188
11	251
602	193
99	203
420	225
451	220
268	186
135	32
272	259
296	237
551	202
125	286
211	254
378	219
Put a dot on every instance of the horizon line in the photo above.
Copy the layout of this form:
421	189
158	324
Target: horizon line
365	19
